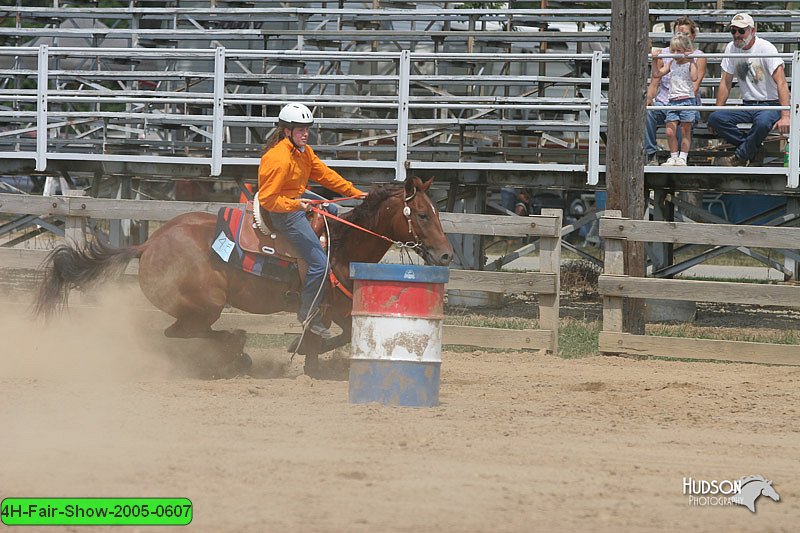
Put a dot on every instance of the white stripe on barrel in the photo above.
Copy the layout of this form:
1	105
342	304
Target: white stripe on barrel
396	347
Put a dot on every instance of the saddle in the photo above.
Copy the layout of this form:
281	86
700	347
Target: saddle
258	237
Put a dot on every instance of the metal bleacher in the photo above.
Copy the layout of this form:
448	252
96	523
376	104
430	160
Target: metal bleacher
503	95
480	96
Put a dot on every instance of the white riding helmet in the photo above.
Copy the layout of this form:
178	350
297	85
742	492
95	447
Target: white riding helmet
294	115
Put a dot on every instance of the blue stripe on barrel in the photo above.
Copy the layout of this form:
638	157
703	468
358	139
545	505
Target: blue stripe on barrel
402	383
397	332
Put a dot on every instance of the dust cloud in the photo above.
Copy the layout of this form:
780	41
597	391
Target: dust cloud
67	388
105	337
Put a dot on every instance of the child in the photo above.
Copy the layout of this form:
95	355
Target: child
682	75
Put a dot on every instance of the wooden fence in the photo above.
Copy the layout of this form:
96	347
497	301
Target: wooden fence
76	209
614	285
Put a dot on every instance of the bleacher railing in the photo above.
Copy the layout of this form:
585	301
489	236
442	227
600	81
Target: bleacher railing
390	110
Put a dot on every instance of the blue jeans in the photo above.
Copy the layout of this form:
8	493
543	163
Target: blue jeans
508	198
295	227
724	123
655	118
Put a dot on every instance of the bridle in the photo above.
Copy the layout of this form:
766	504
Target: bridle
404	246
407	213
417	244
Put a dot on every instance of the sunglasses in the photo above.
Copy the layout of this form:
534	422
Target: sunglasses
740	31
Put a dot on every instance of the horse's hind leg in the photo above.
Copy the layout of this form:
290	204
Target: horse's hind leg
227	345
186	329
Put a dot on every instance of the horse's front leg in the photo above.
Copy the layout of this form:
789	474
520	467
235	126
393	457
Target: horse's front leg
346	323
313	346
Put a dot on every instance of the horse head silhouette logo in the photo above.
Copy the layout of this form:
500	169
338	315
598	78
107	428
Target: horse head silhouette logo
752	488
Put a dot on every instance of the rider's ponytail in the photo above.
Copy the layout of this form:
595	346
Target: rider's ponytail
275	137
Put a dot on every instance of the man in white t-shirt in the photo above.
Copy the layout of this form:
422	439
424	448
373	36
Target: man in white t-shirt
762	82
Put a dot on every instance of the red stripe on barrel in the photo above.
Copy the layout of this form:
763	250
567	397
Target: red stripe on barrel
398	298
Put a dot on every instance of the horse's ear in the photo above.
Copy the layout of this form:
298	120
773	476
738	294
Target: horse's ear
411	185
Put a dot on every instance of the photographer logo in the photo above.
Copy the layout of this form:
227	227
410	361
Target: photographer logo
743	491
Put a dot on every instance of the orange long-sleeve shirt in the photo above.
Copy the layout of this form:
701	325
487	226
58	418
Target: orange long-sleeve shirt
283	176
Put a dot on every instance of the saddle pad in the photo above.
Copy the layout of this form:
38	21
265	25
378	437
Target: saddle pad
226	247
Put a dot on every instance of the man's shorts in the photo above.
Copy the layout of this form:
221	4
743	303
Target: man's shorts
679	115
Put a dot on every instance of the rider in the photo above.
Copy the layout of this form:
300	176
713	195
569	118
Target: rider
286	166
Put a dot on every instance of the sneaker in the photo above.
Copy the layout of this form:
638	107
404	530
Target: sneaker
680	162
731	161
320	331
671	162
652	161
316	327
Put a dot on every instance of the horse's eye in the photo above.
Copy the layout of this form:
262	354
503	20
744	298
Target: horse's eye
423	216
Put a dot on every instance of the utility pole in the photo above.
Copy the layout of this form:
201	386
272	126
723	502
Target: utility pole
626	117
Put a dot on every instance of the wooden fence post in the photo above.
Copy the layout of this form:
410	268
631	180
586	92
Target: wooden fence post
614	264
627	76
75	227
550	262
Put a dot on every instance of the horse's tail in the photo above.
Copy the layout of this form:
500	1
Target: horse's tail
66	268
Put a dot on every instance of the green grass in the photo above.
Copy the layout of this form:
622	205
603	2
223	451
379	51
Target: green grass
259	340
462	348
771	336
483	321
577	338
732	280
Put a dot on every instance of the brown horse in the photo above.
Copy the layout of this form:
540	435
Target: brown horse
179	275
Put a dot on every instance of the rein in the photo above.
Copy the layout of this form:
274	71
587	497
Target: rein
402	245
325	213
406	213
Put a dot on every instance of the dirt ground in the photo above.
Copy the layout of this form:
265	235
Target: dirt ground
520	442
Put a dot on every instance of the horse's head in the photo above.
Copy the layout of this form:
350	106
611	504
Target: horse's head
751	488
769	491
420	222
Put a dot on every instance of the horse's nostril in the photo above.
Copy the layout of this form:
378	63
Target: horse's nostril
445	259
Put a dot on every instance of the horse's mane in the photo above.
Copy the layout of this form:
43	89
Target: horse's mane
363	215
748	479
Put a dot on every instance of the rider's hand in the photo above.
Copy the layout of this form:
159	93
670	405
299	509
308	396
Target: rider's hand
304	205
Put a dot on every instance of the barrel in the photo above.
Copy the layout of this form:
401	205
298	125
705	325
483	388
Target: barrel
396	346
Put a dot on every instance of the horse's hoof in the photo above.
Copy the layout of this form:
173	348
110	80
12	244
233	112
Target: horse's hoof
311	367
334	342
311	345
242	364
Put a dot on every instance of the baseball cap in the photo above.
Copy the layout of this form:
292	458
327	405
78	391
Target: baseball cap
743	20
